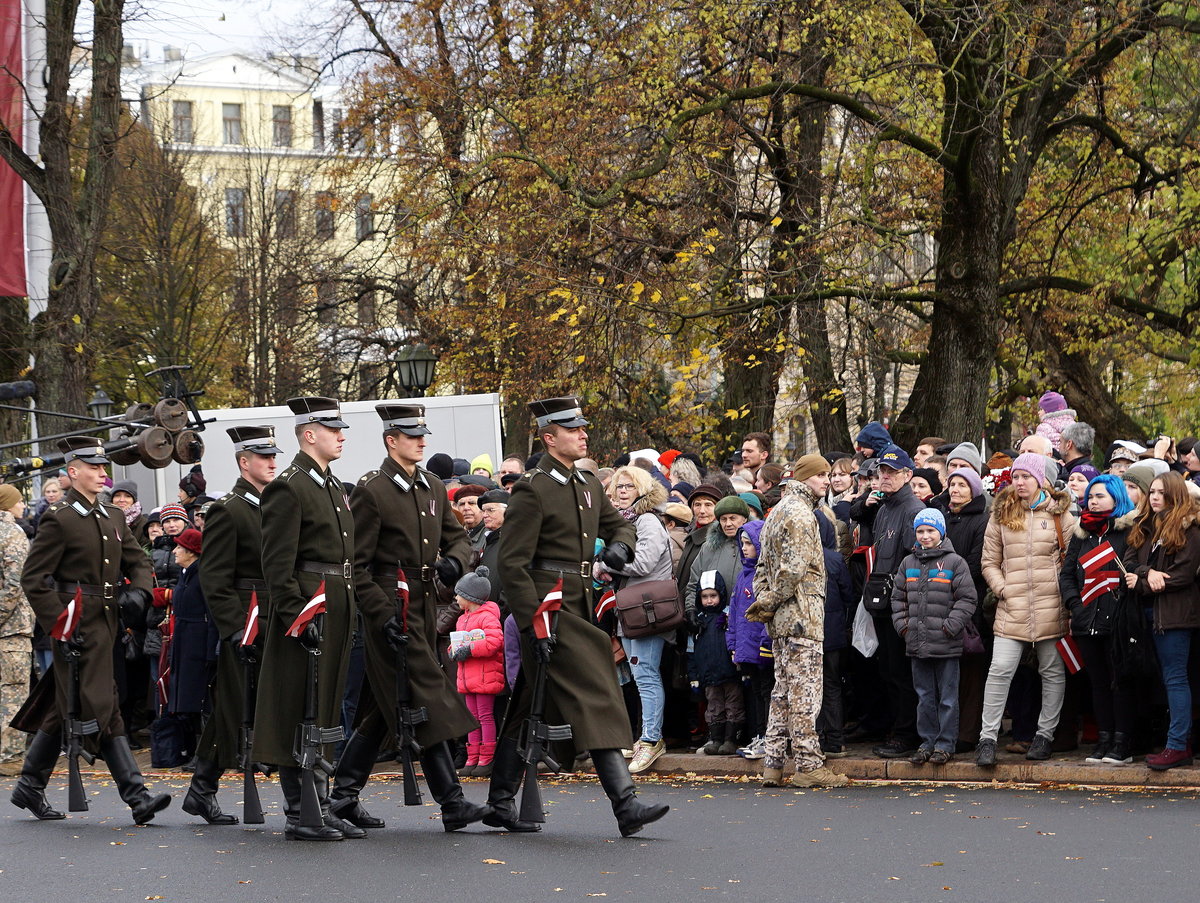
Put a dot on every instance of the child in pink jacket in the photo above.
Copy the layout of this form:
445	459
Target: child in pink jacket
480	658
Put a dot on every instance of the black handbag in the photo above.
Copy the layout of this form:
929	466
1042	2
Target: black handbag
649	609
877	593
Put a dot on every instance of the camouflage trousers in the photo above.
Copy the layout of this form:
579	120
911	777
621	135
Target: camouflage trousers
16	657
795	703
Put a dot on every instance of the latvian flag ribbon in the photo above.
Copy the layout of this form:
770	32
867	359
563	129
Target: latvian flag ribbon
1099	576
1069	652
402	597
68	621
250	631
608	600
315	606
543	618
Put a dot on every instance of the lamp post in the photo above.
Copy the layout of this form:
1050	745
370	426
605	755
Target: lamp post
415	365
100	406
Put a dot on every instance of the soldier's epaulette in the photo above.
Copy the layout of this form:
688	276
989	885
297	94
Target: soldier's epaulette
55	507
288	472
368	477
530	474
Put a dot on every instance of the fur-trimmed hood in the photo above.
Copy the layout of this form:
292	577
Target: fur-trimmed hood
1124	522
647	503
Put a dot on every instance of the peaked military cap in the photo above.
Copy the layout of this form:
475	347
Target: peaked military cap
567	412
314	409
257	439
88	449
407	418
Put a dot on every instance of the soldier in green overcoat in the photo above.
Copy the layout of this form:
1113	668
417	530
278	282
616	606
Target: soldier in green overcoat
231	575
307	541
84	548
402	519
550	528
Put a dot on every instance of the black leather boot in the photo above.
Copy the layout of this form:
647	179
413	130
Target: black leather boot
201	797
507	771
457	812
349	778
1121	751
289	782
1104	740
30	792
632	814
349	831
130	783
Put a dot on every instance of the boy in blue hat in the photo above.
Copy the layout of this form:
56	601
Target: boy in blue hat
932	602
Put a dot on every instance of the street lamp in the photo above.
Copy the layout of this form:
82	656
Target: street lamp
100	405
414	369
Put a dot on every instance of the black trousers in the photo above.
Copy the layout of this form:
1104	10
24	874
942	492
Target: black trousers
896	671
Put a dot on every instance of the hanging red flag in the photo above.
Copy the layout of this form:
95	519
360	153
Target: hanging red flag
68	621
250	631
543	617
402	597
608	600
315	606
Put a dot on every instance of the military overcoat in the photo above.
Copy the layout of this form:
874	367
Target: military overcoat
79	542
550	529
306	523
405	519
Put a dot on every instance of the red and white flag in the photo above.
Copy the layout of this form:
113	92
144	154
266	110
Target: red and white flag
402	598
1099	577
250	631
68	621
1069	652
543	618
315	606
608	601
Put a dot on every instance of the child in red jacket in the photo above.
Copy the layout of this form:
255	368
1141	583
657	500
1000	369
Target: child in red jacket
477	644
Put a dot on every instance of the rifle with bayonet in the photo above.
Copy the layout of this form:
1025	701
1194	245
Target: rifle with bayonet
310	738
408	716
538	734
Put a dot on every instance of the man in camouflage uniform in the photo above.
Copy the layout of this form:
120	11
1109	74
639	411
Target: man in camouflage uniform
789	591
16	627
230	574
83	547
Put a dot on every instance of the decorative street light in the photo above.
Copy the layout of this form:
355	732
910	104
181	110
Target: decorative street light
100	406
415	365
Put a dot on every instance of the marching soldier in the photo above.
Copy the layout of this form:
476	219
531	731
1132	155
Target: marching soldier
85	548
231	572
556	513
402	518
307	540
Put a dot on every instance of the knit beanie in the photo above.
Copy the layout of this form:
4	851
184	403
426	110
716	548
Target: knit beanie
1142	473
712	580
930	476
9	496
482	462
732	504
809	466
1089	472
1051	402
127	486
474	587
972	479
168	511
684	489
441	466
1032	464
930	517
967	451
752	500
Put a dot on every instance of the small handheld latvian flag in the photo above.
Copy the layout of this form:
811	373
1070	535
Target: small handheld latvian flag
1099	577
1069	652
402	598
250	631
608	601
543	618
315	606
68	622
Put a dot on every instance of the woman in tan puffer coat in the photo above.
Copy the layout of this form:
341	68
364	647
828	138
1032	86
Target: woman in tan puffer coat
1023	550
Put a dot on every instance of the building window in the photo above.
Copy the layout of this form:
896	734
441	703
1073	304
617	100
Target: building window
324	215
367	307
327	302
318	125
181	122
285	214
364	219
231	122
281	126
235	212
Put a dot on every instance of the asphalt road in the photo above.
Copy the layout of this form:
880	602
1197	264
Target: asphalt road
722	840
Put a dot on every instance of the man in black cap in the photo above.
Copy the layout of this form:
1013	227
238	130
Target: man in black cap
83	549
403	519
307	543
554	517
231	575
